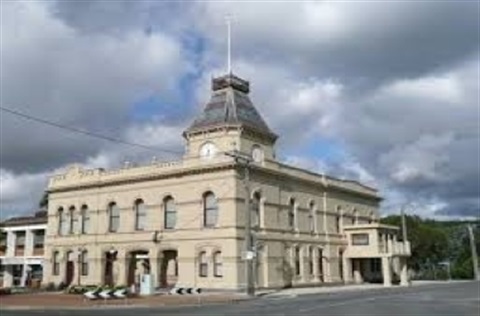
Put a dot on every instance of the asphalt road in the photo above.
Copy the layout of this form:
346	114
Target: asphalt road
456	299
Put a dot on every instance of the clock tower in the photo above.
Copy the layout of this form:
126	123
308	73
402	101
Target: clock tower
229	122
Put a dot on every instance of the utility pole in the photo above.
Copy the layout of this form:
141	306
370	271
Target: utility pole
404	225
245	160
474	252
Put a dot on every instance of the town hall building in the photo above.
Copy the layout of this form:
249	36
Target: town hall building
184	221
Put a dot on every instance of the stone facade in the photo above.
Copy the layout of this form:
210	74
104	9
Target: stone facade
183	221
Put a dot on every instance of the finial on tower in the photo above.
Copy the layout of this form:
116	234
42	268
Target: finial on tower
228	19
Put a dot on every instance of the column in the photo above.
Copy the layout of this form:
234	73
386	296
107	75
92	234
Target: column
404	272
11	243
357	271
8	276
23	280
316	276
347	270
28	242
390	243
155	268
386	271
120	268
76	268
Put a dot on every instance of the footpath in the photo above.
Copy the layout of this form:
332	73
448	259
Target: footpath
57	300
292	292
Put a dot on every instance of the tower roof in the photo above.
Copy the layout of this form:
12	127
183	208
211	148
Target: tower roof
230	105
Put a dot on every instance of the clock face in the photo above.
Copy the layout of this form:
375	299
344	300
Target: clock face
208	150
257	154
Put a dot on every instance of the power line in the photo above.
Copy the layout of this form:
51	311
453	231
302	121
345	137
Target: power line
84	132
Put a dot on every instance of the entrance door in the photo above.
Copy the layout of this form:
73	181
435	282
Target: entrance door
109	258
69	273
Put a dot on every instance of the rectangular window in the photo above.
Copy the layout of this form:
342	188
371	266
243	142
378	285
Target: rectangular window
38	239
360	239
20	240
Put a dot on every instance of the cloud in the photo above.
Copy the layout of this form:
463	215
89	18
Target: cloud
89	81
20	193
393	85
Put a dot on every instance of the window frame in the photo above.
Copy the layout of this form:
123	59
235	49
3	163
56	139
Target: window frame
73	220
56	263
167	212
217	264
202	264
140	210
297	261
85	219
210	212
113	206
256	210
312	218
291	214
84	263
61	221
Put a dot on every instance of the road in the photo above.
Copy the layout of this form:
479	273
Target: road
439	299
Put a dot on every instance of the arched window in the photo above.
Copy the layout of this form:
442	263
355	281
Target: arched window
320	263
170	213
56	263
210	210
140	215
291	214
338	220
85	220
256	210
61	221
355	217
73	220
310	260
297	260
84	262
113	217
340	263
217	264
202	264
311	216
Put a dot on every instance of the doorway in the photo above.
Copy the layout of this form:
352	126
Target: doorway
69	269
169	268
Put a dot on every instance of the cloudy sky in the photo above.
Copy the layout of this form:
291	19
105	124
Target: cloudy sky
385	92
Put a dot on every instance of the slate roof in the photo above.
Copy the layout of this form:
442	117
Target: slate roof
39	217
230	105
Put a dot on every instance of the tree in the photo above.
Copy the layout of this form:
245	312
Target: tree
434	242
43	204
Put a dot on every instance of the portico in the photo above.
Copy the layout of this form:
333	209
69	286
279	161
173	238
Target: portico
374	254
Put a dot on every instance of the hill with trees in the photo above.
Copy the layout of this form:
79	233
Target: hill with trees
435	244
